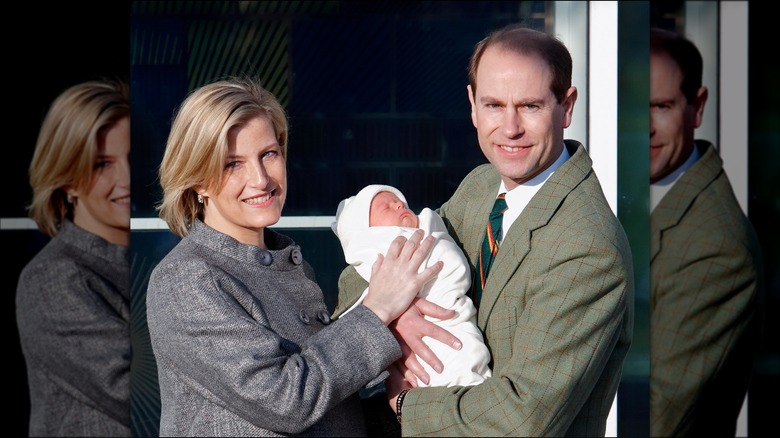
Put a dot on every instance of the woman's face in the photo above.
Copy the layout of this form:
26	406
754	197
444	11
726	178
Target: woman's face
105	209
253	186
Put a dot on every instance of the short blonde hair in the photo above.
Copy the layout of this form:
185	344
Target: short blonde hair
198	143
67	147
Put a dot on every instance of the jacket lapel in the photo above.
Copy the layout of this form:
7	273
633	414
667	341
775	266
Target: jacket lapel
538	213
479	207
679	199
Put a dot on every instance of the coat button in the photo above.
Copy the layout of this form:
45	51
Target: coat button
296	256
266	258
304	317
324	317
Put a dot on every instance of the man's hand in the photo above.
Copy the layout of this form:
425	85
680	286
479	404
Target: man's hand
394	384
410	328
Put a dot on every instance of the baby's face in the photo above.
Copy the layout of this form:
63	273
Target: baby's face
387	209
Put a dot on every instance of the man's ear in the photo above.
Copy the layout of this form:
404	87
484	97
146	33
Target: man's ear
698	106
568	106
473	105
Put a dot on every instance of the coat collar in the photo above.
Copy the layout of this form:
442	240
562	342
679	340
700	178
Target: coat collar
679	199
537	214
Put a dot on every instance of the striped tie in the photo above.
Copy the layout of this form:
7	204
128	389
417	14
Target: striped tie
489	246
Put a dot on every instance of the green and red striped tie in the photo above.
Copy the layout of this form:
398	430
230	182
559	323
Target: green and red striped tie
489	246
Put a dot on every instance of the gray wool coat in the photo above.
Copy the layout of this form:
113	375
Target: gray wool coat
73	315
245	345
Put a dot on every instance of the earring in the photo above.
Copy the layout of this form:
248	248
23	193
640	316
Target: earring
200	198
70	199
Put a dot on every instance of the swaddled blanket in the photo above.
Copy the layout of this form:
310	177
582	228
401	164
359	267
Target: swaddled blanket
361	244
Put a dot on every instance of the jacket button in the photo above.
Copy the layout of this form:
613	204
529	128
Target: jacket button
266	258
296	256
324	317
304	317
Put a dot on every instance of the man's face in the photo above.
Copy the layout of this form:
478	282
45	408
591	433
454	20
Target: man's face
518	119
672	118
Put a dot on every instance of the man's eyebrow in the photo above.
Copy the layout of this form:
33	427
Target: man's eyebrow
489	99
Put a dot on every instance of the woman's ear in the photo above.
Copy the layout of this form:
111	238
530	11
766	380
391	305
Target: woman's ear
71	192
203	194
199	189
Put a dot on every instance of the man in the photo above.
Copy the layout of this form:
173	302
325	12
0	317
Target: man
706	272
557	305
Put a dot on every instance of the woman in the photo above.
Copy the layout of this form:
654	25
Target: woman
239	327
73	297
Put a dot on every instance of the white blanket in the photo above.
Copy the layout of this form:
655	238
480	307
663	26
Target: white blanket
361	244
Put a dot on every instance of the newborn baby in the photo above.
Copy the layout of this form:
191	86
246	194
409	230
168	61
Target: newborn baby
366	225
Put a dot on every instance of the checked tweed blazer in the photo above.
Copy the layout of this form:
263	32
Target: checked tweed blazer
557	312
706	283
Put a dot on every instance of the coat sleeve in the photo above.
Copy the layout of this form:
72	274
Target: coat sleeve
351	287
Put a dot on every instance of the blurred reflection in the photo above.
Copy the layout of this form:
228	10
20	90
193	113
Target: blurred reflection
72	300
705	260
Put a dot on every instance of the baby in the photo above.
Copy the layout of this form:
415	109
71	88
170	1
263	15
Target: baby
367	223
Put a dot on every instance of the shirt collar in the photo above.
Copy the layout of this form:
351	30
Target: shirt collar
520	196
659	188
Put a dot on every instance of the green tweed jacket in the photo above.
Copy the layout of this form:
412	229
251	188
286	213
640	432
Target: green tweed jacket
557	312
706	283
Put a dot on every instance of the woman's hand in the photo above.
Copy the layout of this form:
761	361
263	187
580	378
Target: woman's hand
410	328
394	277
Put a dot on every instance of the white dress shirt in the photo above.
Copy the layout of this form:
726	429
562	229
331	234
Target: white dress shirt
520	196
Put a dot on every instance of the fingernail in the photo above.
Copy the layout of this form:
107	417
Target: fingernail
437	368
457	345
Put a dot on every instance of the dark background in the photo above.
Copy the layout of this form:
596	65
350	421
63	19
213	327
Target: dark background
52	46
375	93
380	83
763	197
